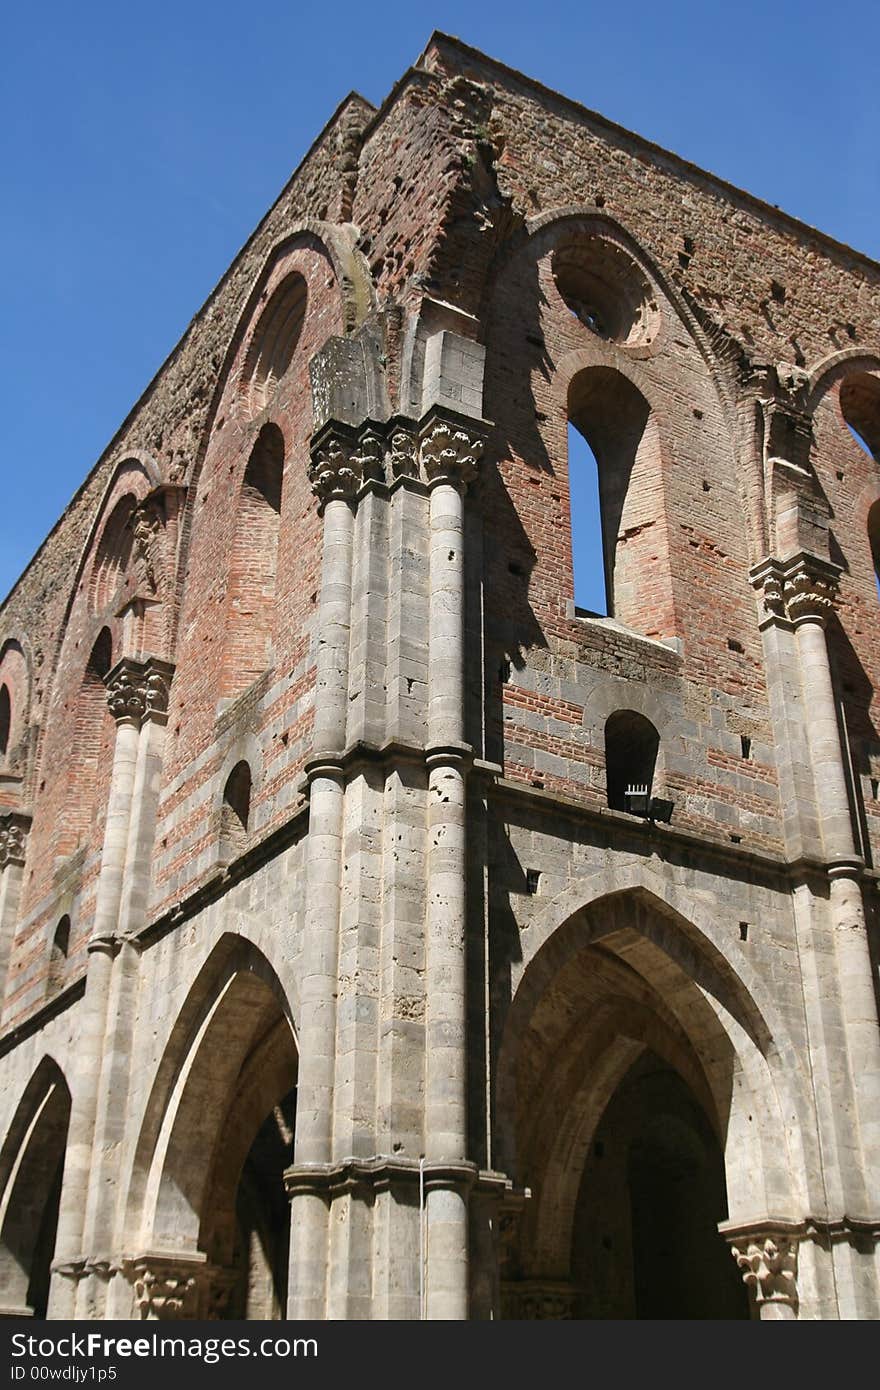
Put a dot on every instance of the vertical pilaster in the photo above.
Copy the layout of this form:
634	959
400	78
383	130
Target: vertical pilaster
13	849
450	456
335	479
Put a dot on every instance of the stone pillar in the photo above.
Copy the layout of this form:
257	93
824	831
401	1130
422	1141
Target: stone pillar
809	592
450	456
13	848
335	480
77	1284
144	690
768	1260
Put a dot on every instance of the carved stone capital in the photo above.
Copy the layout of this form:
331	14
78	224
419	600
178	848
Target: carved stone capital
802	589
335	470
402	460
13	839
167	1287
809	593
368	457
449	453
788	429
769	1269
139	690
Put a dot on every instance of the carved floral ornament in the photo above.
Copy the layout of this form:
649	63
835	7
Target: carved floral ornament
168	1287
138	690
444	452
799	591
769	1268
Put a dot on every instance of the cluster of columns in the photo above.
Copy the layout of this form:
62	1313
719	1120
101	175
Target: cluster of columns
82	1286
798	597
350	1156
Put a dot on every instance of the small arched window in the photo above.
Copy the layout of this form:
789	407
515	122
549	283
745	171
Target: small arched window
631	747
274	342
874	541
235	812
5	719
58	954
90	729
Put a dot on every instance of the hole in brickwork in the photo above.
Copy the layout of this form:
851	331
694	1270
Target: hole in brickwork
631	747
743	931
777	292
745	746
705	486
875	788
734	646
274	343
533	879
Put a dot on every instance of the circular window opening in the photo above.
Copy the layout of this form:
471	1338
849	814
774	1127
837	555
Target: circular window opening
605	290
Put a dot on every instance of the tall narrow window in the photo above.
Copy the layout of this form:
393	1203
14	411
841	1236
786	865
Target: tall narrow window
631	747
618	528
254	563
587	543
5	719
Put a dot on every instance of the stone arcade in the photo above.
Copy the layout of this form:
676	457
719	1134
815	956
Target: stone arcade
381	934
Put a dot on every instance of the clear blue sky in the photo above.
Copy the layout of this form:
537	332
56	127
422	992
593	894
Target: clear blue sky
142	144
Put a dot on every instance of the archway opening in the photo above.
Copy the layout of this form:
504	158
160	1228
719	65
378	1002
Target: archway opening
32	1166
623	1107
5	719
645	1242
219	1135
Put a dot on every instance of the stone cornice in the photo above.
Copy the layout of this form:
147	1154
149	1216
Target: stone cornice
385	1170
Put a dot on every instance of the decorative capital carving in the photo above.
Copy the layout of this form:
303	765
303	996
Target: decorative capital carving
769	1267
368	458
809	593
450	453
335	470
402	455
167	1286
13	839
139	690
802	589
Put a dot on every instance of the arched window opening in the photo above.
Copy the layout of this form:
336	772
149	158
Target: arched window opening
90	729
58	954
860	407
588	549
5	719
625	547
631	747
236	811
114	553
254	564
32	1166
274	342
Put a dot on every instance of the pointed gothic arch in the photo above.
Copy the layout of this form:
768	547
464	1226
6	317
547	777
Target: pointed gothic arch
31	1170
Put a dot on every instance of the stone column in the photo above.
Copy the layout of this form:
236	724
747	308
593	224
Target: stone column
13	848
335	480
449	456
125	699
809	592
145	693
768	1260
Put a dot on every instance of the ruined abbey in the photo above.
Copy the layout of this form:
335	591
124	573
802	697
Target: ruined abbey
383	935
